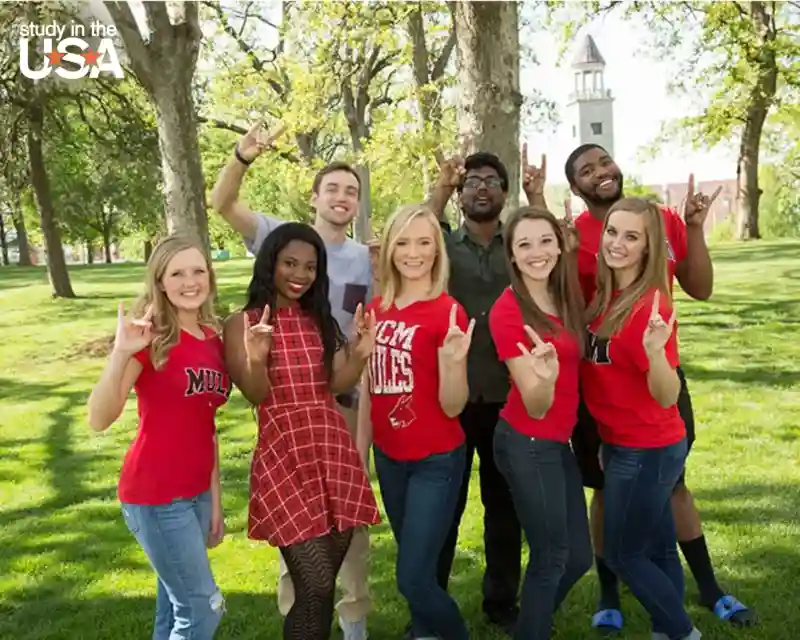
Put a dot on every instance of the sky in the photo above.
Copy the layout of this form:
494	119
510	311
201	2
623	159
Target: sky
642	103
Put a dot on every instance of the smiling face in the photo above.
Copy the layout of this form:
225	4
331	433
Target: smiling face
535	249
415	250
295	270
625	241
186	280
598	180
336	199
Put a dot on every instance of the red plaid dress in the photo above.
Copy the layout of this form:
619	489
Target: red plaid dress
306	477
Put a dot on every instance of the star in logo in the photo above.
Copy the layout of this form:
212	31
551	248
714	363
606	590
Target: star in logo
55	57
90	57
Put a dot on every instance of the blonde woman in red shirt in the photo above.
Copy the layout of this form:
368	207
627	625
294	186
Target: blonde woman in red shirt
416	388
171	355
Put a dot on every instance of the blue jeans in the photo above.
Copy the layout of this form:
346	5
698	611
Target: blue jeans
639	539
420	499
546	486
189	605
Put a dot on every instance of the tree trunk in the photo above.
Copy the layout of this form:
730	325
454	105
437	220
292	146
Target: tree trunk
362	224
762	96
165	65
425	81
148	250
89	252
107	245
488	75
22	234
184	185
56	263
3	243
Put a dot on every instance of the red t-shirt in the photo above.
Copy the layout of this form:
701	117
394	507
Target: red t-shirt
590	233
408	422
614	383
506	325
172	456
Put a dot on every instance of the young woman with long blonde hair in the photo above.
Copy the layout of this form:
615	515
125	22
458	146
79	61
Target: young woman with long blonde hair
630	386
416	387
171	355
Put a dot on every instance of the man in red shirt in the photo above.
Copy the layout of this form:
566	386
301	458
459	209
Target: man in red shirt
594	176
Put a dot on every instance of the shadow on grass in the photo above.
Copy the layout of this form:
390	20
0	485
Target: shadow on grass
750	503
758	251
775	378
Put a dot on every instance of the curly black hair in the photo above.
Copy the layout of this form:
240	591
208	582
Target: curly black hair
261	290
483	159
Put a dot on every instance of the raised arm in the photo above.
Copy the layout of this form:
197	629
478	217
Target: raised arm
533	179
364	420
453	385
247	350
225	194
349	362
695	273
109	395
662	378
451	173
535	373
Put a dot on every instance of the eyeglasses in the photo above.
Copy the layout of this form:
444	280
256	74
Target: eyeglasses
491	182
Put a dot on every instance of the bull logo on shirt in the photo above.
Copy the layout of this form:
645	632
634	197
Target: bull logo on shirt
202	380
597	351
402	415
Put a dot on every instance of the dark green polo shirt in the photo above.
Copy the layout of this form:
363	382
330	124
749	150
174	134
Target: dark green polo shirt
478	276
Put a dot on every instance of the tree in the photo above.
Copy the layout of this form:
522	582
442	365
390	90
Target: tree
488	76
164	63
742	56
13	180
429	67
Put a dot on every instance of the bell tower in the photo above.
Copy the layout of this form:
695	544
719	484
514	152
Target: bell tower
590	105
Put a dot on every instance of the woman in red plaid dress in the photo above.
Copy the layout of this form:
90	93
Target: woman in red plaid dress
308	486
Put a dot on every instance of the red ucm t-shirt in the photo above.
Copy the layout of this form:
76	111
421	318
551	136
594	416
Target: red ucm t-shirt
172	456
507	327
614	383
408	422
590	235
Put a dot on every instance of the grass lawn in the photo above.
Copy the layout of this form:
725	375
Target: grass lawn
69	569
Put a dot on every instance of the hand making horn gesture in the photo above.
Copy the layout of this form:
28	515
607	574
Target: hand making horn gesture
253	143
133	335
542	359
571	240
365	331
451	170
456	342
533	177
657	332
258	337
695	211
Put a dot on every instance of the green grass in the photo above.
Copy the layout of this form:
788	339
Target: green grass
69	569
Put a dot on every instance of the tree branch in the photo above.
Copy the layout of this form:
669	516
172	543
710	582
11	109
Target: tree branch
137	50
444	57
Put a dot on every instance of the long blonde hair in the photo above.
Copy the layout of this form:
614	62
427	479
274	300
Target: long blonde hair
389	276
563	282
166	329
653	273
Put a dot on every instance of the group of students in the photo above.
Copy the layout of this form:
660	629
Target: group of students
546	346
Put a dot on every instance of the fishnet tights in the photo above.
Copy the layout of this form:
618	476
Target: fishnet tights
313	565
